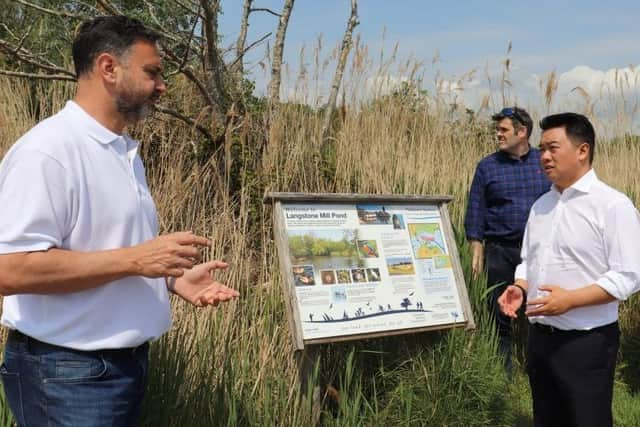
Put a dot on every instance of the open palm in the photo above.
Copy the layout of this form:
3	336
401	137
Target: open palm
510	301
198	287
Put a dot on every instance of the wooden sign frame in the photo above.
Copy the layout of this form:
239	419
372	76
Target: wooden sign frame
437	205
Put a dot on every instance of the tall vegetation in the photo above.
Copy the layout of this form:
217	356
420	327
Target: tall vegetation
234	365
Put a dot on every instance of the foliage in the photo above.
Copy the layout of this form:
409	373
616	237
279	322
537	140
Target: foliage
309	245
35	40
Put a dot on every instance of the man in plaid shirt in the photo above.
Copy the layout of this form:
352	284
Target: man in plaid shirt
505	185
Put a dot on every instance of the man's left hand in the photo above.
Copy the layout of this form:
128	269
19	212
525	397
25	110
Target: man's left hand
558	301
198	287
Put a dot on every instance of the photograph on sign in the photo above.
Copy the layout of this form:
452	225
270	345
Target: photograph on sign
363	267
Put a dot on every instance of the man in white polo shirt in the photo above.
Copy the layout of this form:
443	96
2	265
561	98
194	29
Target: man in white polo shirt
84	275
579	259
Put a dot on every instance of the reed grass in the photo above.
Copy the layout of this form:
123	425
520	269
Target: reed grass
233	366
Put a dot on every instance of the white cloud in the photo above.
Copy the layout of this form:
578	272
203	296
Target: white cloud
600	83
614	91
610	96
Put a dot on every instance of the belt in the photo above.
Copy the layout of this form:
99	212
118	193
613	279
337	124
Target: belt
509	243
17	337
548	329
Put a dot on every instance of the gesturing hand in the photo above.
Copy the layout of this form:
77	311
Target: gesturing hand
198	287
510	301
166	255
558	301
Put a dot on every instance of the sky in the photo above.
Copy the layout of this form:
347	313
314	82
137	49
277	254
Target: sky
588	44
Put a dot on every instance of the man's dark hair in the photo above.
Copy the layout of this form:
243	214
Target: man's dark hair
577	127
111	34
519	117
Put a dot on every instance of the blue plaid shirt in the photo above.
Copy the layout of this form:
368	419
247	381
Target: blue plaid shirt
502	192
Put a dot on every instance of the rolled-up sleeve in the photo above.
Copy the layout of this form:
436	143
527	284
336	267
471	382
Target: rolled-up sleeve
622	244
34	196
476	209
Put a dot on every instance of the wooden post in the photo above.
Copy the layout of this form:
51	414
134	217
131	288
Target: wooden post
307	360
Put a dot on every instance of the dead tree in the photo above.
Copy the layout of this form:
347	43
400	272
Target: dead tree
347	41
237	66
278	49
242	37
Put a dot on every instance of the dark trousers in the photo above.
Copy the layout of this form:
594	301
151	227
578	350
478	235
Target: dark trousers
501	262
47	385
571	375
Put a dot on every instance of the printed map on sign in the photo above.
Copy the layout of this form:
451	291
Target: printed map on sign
369	268
427	240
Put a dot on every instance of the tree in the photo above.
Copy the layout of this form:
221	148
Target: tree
347	41
35	41
278	49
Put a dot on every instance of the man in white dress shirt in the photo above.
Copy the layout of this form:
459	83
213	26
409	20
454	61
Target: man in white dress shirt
84	276
579	259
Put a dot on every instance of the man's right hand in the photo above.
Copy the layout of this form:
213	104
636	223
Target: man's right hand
511	300
477	260
166	255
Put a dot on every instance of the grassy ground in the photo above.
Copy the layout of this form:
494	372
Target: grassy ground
234	365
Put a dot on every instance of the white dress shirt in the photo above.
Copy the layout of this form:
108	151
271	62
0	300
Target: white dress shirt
70	183
588	234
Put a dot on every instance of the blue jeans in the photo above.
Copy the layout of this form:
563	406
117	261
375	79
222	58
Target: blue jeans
55	386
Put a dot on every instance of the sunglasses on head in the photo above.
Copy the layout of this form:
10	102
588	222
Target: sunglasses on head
511	112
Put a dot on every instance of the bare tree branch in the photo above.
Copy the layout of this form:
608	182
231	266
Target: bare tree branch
194	12
248	48
37	76
59	13
108	7
347	41
28	57
8	30
185	58
188	72
159	28
181	63
88	6
22	40
152	13
278	48
264	9
185	119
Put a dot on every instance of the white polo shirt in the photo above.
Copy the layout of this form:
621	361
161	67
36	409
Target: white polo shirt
588	234
70	183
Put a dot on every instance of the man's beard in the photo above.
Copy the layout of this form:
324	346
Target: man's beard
135	107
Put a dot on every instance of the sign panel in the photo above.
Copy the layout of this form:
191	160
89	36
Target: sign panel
360	266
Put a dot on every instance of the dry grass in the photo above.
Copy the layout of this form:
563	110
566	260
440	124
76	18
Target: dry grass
235	363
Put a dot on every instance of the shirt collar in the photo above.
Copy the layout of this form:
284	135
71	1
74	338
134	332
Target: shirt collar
95	130
583	184
516	159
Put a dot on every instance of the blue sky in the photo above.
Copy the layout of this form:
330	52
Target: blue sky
595	36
